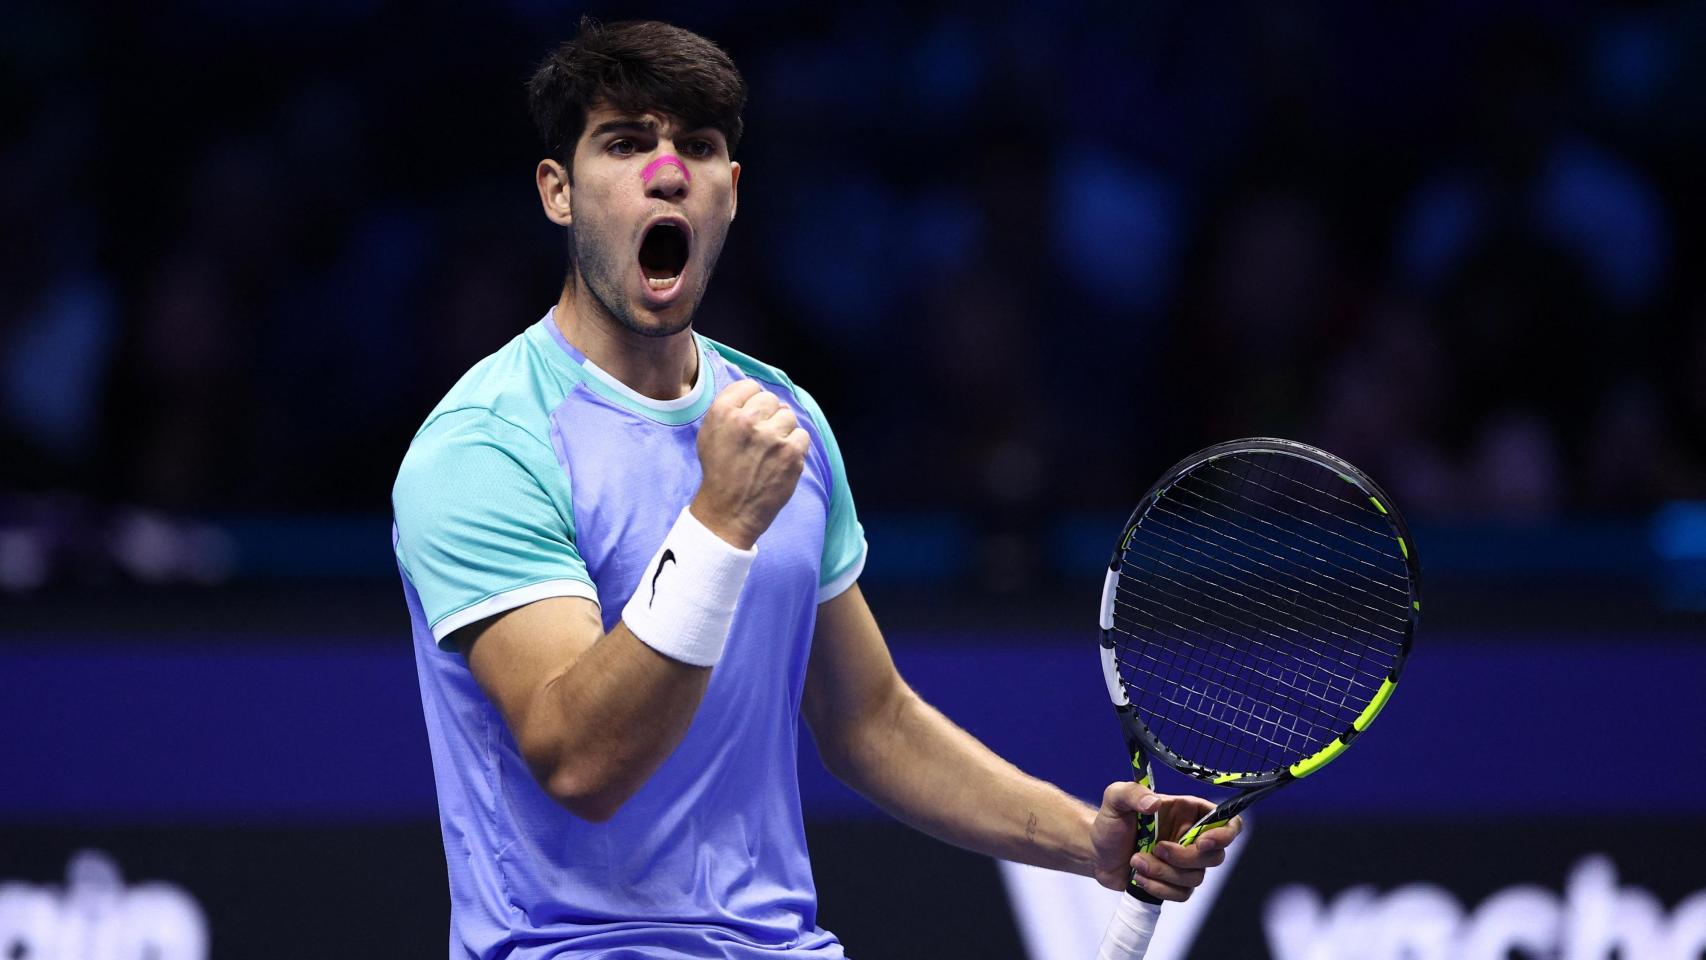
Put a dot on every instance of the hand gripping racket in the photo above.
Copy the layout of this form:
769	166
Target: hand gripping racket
1257	611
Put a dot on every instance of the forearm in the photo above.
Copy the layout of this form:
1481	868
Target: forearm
623	705
928	773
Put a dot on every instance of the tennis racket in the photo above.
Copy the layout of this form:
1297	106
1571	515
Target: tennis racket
1255	617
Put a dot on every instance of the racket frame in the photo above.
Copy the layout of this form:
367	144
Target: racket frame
1142	743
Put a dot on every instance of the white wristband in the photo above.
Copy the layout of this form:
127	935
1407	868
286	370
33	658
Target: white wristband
685	600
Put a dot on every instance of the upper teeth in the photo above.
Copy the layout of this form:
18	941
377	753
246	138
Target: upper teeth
662	283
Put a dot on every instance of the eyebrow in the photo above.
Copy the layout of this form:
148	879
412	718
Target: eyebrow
632	124
626	123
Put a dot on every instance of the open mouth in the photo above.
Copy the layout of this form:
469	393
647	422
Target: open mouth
663	255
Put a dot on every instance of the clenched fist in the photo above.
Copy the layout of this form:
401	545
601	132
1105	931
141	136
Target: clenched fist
751	452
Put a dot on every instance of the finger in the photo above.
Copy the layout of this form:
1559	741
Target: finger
799	440
1195	857
1129	797
783	421
1188	808
1162	890
737	393
1157	869
1220	837
762	404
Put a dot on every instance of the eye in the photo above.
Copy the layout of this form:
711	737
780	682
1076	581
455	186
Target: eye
700	149
621	148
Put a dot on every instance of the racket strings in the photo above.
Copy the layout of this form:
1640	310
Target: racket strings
1294	650
1195	663
1264	545
1282	660
1324	587
1282	534
1345	512
1275	708
1248	631
1383	537
1209	714
1282	593
1208	556
1307	706
1257	466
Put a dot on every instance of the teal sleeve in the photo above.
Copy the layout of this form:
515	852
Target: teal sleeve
843	538
484	521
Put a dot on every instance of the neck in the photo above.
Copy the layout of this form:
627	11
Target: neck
663	368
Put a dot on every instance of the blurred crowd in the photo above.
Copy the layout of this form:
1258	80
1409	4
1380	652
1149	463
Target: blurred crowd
1025	256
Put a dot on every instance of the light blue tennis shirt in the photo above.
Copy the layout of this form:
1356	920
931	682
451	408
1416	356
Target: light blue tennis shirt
540	475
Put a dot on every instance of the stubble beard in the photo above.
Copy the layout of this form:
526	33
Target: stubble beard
595	258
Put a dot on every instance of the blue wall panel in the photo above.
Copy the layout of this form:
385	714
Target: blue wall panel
99	730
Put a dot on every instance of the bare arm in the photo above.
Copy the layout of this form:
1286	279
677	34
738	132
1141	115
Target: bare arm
595	714
878	736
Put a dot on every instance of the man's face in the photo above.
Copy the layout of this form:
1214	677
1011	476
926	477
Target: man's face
646	236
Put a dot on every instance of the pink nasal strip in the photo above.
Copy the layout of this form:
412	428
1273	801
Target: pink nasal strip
652	168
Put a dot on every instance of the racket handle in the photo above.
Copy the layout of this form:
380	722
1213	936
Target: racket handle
1129	930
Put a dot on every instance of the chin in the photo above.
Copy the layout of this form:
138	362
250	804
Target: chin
659	324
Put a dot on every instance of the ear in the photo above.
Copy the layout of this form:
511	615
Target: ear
553	183
734	188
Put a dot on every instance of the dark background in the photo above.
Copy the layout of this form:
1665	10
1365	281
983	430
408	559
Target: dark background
1025	257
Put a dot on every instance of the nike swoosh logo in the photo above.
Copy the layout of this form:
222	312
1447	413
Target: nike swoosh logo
668	557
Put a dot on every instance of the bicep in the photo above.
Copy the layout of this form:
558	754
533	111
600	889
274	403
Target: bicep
516	656
851	679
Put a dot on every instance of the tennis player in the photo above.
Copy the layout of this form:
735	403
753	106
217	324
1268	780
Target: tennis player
631	559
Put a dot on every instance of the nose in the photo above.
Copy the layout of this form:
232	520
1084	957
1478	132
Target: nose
666	177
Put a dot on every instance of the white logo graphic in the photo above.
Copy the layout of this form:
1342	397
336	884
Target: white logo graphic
1594	920
97	918
1061	916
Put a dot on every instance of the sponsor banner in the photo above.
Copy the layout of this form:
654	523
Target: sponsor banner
289	892
189	893
1407	891
1298	890
1463	890
95	915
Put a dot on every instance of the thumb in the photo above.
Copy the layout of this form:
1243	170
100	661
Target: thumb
1131	797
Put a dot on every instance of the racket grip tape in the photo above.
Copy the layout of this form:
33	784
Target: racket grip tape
1129	930
1191	836
1148	828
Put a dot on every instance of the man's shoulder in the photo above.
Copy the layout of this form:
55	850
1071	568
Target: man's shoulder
771	374
753	367
512	390
490	432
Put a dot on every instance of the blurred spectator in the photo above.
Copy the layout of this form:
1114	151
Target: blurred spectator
1452	248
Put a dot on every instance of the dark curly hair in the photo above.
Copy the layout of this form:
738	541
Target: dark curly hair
635	66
